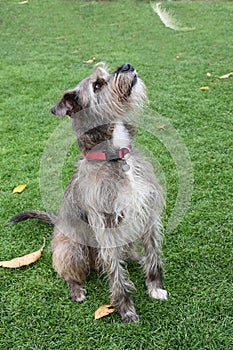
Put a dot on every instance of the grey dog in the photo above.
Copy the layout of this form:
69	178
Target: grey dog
112	206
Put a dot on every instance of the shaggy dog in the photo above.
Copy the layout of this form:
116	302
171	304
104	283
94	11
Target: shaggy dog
113	200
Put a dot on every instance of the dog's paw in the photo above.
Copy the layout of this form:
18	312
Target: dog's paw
78	294
127	310
159	293
129	317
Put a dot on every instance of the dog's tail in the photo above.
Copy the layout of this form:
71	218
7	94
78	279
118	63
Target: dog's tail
33	214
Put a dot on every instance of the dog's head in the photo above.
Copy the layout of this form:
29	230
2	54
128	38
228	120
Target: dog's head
102	94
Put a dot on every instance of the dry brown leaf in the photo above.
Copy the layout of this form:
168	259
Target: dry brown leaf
103	311
226	75
20	188
162	127
92	60
23	260
204	88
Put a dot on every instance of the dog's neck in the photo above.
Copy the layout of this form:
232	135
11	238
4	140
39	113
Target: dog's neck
120	136
107	137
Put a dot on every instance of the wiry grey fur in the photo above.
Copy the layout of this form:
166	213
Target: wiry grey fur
106	211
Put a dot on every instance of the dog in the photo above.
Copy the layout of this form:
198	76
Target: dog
113	204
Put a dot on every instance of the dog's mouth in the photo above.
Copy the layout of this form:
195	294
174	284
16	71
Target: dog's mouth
135	79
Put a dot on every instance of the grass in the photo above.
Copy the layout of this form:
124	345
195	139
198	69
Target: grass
43	46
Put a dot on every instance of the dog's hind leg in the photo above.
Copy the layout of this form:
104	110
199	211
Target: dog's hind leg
71	261
120	285
152	263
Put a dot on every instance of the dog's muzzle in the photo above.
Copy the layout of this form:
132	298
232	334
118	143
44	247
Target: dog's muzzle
126	69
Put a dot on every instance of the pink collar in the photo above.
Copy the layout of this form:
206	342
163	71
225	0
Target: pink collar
108	155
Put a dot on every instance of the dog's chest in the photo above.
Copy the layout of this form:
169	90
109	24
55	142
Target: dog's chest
106	186
117	185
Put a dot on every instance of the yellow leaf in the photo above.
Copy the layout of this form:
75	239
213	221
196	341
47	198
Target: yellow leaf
204	88
92	60
19	189
104	310
23	260
23	2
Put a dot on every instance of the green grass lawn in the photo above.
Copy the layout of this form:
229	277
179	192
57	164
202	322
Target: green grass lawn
43	46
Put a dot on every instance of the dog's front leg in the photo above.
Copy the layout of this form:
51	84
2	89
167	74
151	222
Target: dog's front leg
120	285
152	263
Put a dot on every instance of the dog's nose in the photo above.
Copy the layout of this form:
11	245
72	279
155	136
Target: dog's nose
127	67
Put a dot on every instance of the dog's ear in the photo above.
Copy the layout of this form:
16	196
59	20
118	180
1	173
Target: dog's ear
68	105
71	102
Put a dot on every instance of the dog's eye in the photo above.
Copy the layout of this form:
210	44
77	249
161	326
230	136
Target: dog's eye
98	84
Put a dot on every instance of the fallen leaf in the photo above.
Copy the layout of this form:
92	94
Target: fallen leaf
226	75
162	127
19	189
204	88
92	60
104	310
23	260
22	2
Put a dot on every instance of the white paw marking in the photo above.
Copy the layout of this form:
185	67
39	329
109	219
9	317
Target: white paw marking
159	293
80	298
78	294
